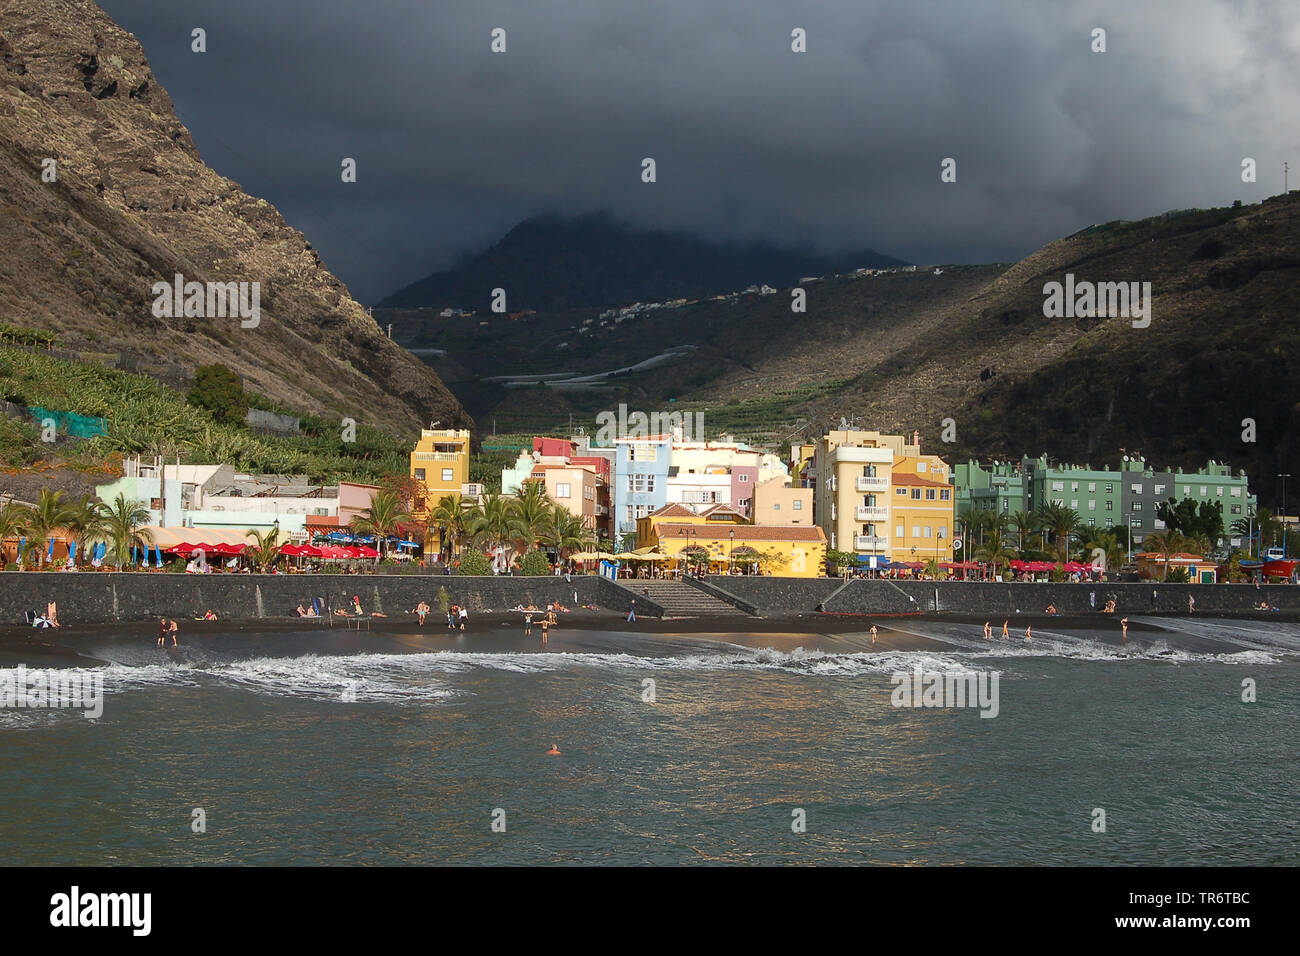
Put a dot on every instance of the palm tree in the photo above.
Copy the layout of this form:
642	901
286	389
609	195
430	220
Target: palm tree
449	517
49	514
995	553
1062	522
532	514
1109	544
266	547
13	524
1024	521
490	522
1167	543
567	533
382	518
86	522
124	526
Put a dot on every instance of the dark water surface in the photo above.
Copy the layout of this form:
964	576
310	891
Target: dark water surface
257	730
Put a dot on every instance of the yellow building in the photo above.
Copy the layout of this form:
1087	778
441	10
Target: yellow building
722	533
876	494
440	462
921	509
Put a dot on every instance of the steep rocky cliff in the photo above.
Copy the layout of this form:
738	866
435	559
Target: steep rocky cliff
131	203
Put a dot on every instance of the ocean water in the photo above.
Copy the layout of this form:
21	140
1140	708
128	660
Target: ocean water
330	747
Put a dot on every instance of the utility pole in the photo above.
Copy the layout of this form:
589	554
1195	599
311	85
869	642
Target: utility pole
1284	478
1286	179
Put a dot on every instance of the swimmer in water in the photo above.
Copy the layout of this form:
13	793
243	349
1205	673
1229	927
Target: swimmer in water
1124	637
873	635
553	752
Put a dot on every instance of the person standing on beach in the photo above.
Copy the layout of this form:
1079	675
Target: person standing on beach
1005	633
1191	605
528	625
631	610
464	617
988	631
873	635
1029	634
162	631
1124	636
451	618
172	629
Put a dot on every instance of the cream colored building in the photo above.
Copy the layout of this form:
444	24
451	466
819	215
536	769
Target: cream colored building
777	503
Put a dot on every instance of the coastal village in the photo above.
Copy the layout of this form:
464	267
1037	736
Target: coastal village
850	502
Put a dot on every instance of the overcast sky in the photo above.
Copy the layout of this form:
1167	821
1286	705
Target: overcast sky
839	147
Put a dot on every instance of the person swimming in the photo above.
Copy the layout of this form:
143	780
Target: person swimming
553	752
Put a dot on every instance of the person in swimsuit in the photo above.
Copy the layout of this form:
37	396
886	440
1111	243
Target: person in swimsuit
988	631
172	629
162	631
873	635
528	625
1005	632
1029	635
1124	636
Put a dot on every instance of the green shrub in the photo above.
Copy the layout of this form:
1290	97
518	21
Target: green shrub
535	564
476	563
444	599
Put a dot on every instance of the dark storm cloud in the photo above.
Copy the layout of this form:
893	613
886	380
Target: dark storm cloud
839	147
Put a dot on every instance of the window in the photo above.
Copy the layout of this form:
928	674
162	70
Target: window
1236	509
1110	487
1110	523
929	494
1160	490
563	490
916	531
743	477
447	474
1092	486
1092	504
1236	492
1137	522
777	506
1074	504
798	504
900	531
928	531
1137	506
916	494
642	453
1202	491
900	491
641	484
920	466
419	474
1187	491
1058	486
945	494
943	531
1110	505
1137	489
1092	522
1219	491
1074	486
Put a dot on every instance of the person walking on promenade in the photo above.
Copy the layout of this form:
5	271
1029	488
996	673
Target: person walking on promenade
631	610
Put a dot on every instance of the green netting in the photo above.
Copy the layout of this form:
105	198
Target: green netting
79	426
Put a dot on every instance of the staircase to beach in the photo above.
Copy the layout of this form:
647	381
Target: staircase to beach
681	600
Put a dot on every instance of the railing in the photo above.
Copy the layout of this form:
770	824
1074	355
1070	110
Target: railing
867	542
862	483
871	513
438	456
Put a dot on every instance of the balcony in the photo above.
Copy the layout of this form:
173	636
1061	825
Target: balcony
871	484
867	542
438	456
871	513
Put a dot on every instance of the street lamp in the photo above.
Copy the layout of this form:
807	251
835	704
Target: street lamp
731	556
1284	478
1250	533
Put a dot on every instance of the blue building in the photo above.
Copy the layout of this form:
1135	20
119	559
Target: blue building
640	481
